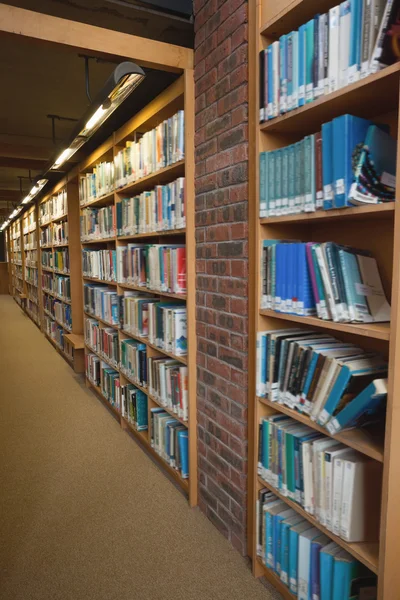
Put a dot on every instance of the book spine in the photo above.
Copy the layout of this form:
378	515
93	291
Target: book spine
283	74
344	42
290	63
334	16
301	65
319	189
261	77
309	62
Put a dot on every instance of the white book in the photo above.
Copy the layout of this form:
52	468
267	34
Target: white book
276	81
333	68
372	288
318	448
336	498
320	254
319	90
378	44
344	42
304	563
330	456
362	481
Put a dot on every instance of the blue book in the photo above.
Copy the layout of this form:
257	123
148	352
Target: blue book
304	563
289	66
354	376
302	65
327	165
283	74
270	83
295	91
363	409
305	299
347	132
355	40
263	184
276	536
345	569
327	556
316	546
183	441
309	61
265	446
294	533
270	512
284	560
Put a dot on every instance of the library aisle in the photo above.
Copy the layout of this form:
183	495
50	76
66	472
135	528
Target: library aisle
84	512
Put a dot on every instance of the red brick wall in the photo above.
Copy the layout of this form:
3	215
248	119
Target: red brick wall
221	150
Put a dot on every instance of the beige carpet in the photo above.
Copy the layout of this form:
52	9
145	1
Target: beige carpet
84	513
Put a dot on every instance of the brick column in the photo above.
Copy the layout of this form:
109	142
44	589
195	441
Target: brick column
221	150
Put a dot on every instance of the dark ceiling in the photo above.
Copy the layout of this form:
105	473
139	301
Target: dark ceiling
45	79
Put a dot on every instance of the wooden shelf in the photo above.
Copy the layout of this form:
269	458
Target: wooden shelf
101	357
378	211
379	331
101	201
86	278
139	236
160	177
144	340
101	320
365	552
309	118
99	241
276	582
75	340
108	404
139	288
355	438
63	245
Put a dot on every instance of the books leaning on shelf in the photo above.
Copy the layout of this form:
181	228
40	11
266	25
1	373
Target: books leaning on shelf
328	280
47	259
105	378
156	267
103	341
134	407
101	302
53	208
168	384
164	324
155	150
62	313
99	264
305	560
60	233
320	376
133	357
161	209
338	486
54	331
46	237
170	440
349	162
61	286
98	223
327	53
61	260
97	183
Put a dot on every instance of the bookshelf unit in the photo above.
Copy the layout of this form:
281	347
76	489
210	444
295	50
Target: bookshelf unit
30	233
176	97
376	228
17	262
58	212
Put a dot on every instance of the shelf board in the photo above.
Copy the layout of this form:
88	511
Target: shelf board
86	278
99	241
63	245
50	269
76	340
309	118
358	439
60	218
292	16
160	177
101	320
102	200
377	211
146	290
365	552
144	340
137	236
276	582
379	331
46	291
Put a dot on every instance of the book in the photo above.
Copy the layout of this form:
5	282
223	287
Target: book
365	408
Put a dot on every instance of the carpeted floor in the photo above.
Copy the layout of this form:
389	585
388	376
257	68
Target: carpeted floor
84	513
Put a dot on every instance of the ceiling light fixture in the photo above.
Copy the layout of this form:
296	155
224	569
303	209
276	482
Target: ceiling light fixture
125	78
39	185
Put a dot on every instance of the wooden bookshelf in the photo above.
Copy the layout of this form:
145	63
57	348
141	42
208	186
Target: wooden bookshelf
30	233
178	96
375	228
17	262
72	352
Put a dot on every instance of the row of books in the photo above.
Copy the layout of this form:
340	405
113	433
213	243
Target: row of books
328	52
165	324
54	331
101	302
32	293
53	208
160	209
306	561
47	259
104	341
30	241
338	486
32	309
170	440
133	361
100	264
29	222
134	407
61	260
156	149
57	284
322	171
31	275
168	384
337	384
331	281
97	183
63	314
60	233
156	267
31	257
98	223
104	377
